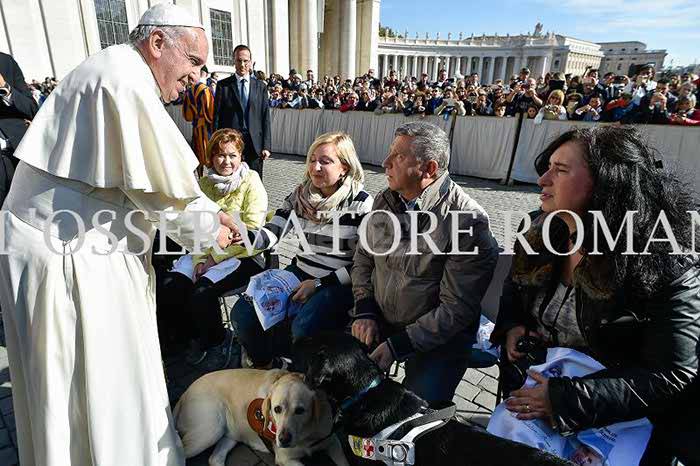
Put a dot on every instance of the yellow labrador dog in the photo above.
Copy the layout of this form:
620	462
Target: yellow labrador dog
217	407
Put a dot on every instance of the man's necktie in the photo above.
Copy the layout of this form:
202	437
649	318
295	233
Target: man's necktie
244	101
244	95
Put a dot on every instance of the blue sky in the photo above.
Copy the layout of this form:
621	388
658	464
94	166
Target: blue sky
673	25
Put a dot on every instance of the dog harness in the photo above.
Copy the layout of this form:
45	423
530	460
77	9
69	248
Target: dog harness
395	445
267	431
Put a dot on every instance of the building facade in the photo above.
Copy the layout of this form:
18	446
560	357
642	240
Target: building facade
493	57
626	57
51	37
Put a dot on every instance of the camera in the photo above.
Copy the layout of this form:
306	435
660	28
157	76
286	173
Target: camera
528	344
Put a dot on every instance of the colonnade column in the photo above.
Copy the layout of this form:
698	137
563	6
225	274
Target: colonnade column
543	65
348	37
501	73
488	79
309	37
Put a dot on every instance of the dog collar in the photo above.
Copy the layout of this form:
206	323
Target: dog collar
351	401
400	452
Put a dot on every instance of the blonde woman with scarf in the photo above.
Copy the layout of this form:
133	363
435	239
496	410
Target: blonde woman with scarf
189	295
332	186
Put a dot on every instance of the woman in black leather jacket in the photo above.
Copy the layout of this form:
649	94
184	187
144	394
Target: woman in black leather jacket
638	314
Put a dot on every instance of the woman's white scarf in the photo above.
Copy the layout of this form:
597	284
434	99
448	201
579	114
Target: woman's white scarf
227	184
308	200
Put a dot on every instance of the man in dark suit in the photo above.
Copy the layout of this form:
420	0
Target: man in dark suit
241	103
17	108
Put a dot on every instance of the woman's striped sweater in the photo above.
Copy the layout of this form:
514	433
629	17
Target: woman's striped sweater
318	259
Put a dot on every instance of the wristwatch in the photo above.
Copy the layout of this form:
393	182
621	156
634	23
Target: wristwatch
317	283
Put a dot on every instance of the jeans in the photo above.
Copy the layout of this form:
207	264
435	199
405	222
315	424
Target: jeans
434	375
326	310
194	308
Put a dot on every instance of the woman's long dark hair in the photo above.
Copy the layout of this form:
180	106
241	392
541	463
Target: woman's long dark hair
626	178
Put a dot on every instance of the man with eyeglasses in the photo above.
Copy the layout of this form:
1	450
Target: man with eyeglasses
78	304
241	103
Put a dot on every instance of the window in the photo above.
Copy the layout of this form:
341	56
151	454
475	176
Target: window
111	22
624	50
221	37
619	66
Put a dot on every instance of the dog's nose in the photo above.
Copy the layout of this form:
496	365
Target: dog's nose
285	438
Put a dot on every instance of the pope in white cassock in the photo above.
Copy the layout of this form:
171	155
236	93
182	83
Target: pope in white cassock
79	309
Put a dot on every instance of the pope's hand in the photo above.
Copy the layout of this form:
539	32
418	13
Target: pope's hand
228	221
265	154
2	80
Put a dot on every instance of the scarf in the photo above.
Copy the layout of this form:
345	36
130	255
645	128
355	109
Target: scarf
227	184
308	200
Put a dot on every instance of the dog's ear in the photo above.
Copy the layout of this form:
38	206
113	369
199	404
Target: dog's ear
266	409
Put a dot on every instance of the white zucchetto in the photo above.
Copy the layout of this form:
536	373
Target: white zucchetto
165	14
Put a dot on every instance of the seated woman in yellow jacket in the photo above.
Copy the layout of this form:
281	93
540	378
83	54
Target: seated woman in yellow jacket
190	291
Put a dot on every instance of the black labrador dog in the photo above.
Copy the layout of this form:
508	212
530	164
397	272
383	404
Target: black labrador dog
339	365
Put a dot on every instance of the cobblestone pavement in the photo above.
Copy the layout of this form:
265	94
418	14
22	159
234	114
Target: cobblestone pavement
476	393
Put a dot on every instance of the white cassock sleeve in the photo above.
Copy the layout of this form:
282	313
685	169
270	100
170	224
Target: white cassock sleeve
186	223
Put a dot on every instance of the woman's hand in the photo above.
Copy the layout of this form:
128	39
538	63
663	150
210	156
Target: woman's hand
512	337
533	402
201	268
304	291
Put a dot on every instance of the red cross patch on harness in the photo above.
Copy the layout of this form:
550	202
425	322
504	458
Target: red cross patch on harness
368	448
362	447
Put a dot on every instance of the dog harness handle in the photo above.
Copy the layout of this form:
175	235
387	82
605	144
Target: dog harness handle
256	421
395	445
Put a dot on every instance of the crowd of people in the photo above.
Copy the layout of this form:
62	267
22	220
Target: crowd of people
42	90
642	98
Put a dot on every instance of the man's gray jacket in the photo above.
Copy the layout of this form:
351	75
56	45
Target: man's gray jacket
436	294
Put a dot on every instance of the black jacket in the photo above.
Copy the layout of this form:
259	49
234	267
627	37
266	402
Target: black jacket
649	347
24	107
228	111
